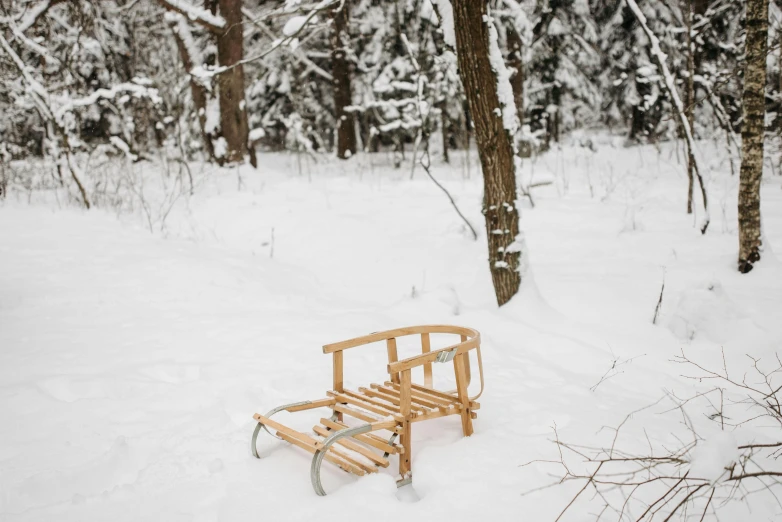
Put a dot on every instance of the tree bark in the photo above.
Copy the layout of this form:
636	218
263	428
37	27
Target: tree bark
230	51
443	106
495	146
690	101
515	60
340	70
752	132
197	90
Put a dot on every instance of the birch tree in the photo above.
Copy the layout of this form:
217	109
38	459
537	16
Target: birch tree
752	131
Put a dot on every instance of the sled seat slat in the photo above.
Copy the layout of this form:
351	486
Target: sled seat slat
332	456
414	399
367	438
344	398
353	446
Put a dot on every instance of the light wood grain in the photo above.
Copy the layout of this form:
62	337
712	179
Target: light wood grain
426	347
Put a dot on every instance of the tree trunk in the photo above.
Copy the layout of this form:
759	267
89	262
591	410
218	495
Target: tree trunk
495	146
443	106
197	90
690	100
230	51
752	131
515	60
340	70
515	55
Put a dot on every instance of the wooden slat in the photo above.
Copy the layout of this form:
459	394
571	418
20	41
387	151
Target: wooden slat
331	456
367	438
394	399
418	395
354	446
361	403
393	409
338	377
360	415
419	360
391	388
305	441
467	364
461	386
437	394
313	404
392	356
426	347
269	423
438	413
404	408
400	332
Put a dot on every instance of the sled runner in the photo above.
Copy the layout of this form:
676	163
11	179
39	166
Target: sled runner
369	424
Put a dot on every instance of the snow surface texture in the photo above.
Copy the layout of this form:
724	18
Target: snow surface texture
131	363
711	457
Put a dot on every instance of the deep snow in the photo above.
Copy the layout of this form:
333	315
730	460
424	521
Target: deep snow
131	363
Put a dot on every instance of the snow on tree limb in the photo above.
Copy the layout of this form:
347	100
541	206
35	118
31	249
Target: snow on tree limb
180	27
510	118
33	46
196	14
444	11
670	86
296	53
41	99
133	88
520	20
35	13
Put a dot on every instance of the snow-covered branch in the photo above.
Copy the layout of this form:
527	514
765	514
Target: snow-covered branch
34	13
196	14
670	85
68	104
41	99
297	53
510	118
444	11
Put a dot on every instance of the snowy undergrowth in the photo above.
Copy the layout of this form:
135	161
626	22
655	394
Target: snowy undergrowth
131	362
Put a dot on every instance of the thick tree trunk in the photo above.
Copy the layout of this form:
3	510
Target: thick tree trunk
752	131
494	146
230	51
340	70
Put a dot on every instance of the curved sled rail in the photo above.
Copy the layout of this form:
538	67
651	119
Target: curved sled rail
292	407
317	459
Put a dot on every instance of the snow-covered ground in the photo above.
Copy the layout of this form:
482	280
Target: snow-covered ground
131	362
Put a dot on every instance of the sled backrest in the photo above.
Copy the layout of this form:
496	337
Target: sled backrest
457	353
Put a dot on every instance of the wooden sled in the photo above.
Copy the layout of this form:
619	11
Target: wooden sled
386	410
